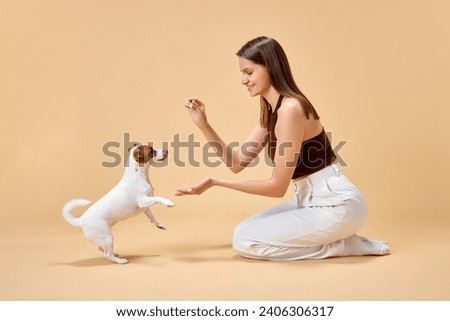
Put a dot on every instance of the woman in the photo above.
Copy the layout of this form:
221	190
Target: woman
327	210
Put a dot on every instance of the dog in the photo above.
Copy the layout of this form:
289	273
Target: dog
130	197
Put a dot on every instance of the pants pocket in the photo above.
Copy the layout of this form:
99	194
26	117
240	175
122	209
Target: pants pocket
319	195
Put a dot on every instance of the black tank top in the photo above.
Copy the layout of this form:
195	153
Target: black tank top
315	153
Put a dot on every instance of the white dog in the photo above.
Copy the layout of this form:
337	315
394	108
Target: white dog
131	196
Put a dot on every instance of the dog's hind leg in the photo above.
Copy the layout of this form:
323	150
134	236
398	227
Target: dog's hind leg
102	250
153	219
100	234
107	244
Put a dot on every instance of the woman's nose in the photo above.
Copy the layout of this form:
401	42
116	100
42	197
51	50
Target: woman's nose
244	80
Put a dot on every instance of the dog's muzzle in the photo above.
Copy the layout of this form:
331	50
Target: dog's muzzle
160	154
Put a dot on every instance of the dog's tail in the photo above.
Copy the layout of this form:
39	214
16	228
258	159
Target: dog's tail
70	205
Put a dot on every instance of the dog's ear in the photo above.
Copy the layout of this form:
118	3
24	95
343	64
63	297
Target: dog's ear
132	146
138	155
143	154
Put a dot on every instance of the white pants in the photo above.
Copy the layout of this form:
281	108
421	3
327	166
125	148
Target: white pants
320	222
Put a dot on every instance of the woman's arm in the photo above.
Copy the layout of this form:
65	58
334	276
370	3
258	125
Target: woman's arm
236	159
289	131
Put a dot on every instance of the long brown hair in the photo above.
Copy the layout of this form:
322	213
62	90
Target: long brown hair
268	52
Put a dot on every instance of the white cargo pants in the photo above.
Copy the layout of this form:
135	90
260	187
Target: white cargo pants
320	222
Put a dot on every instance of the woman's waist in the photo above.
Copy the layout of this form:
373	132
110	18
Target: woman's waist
333	169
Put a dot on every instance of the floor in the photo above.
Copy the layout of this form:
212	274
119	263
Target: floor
193	260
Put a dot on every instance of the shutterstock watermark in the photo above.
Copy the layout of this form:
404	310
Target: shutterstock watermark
118	152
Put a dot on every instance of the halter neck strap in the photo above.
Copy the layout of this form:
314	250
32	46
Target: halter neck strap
280	99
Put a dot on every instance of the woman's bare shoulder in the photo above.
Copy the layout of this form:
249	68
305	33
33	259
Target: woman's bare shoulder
290	107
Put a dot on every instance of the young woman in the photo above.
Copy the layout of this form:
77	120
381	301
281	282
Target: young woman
327	209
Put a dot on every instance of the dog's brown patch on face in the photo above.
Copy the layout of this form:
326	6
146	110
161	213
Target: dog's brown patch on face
143	154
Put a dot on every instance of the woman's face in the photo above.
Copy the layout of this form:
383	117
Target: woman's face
255	77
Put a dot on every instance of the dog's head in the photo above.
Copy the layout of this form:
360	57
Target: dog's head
143	154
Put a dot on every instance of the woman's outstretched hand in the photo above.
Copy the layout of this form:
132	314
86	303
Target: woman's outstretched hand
197	111
196	190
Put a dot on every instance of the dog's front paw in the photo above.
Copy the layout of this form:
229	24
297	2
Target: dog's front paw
169	203
161	227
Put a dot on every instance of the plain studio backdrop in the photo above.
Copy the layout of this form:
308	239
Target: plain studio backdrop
81	79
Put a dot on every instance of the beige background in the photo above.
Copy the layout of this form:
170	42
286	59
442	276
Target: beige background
75	75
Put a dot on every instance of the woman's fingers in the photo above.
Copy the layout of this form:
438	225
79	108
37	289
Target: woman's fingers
193	103
189	103
205	184
184	191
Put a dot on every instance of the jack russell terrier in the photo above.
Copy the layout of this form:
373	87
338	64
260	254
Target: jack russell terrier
131	196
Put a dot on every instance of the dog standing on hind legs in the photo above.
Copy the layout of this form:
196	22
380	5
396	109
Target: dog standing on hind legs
131	196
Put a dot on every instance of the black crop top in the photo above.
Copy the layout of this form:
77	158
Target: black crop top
315	153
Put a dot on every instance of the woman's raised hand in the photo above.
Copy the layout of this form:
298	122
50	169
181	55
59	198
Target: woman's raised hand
197	111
